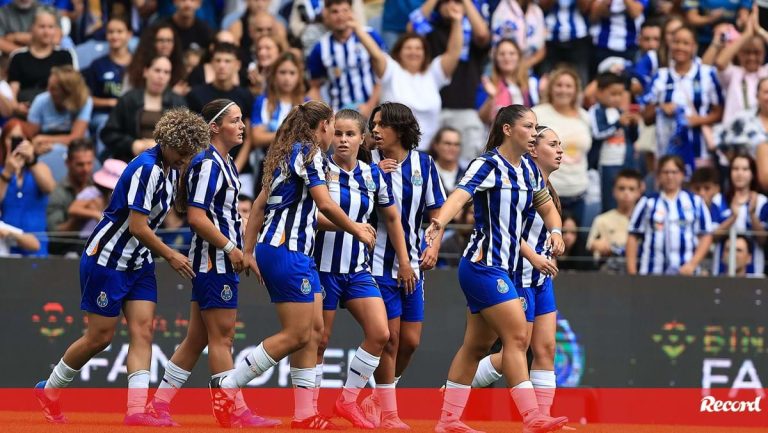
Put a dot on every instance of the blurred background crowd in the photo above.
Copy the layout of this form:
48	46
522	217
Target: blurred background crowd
662	107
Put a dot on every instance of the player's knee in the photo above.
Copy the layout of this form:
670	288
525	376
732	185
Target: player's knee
322	345
516	340
409	342
378	338
392	343
298	338
543	350
98	341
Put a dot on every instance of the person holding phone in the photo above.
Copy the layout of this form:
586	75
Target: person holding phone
25	184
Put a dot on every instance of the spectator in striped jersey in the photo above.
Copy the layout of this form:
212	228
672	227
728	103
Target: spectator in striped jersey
568	39
615	26
745	208
284	218
685	100
671	229
117	271
339	66
343	263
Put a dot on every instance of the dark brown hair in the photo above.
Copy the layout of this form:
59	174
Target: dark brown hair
398	48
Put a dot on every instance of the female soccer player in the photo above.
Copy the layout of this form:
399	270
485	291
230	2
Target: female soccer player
417	189
533	274
117	271
294	189
505	184
344	263
210	187
674	226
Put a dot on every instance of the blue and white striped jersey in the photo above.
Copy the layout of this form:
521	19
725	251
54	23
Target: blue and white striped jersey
565	22
291	214
416	188
503	196
693	93
536	235
213	186
357	192
618	31
271	120
143	187
346	67
669	228
721	210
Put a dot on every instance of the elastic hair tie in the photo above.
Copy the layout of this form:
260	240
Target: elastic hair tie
221	111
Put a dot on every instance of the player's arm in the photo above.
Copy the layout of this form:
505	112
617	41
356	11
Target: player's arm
455	202
545	207
255	222
630	253
138	225
547	267
203	226
324	224
325	204
406	275
705	241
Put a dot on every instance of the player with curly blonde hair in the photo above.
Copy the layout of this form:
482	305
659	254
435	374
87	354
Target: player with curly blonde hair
116	269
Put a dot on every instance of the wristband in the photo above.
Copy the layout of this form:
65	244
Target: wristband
229	247
556	230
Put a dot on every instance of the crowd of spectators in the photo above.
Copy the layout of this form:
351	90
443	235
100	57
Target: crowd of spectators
662	106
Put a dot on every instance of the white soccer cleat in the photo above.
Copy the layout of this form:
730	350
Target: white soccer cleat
372	410
454	426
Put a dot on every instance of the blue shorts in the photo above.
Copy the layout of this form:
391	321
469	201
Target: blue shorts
484	286
538	301
290	276
345	287
103	290
409	308
212	290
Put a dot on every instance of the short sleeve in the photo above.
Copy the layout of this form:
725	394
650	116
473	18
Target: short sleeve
315	63
14	68
144	183
593	231
480	176
435	191
637	223
85	112
201	183
36	109
436	72
313	174
384	197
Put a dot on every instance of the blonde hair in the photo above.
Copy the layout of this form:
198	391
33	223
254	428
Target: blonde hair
555	75
72	86
183	131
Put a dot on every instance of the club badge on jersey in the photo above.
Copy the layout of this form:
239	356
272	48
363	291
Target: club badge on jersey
416	179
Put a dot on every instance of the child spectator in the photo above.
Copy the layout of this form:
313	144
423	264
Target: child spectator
614	132
105	76
705	182
608	235
510	82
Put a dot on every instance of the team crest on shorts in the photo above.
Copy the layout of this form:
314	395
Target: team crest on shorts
524	303
102	301
369	183
305	286
416	179
322	291
502	286
226	293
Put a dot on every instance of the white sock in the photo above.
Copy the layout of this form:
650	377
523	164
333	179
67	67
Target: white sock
485	375
454	400
318	384
525	399
174	378
61	376
138	389
544	383
303	380
360	370
385	394
397	380
256	363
